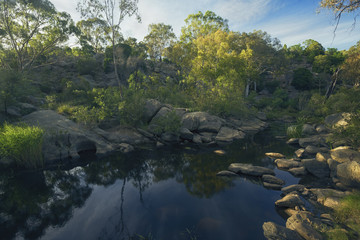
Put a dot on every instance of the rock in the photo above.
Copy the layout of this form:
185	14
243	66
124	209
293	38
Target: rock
293	188
312	150
286	164
322	157
186	134
332	165
337	119
63	136
252	126
126	148
152	106
349	173
220	152
13	111
330	198
321	129
159	144
273	231
344	154
274	155
122	134
298	172
314	140
27	108
291	200
293	141
289	212
272	179
316	168
201	121
299	153
207	137
161	114
308	129
261	116
85	146
170	137
248	169
300	223
227	135
197	139
272	186
226	174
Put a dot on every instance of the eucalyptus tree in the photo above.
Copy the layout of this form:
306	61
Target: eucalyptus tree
30	30
113	13
92	35
160	37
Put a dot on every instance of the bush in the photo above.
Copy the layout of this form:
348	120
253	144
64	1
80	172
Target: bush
294	131
23	144
171	122
348	212
303	79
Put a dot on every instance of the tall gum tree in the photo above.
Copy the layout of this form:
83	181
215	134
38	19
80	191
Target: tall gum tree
113	12
30	29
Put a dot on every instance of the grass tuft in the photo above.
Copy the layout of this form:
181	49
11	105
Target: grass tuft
23	144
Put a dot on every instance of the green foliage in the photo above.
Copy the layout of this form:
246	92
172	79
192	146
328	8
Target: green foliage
87	66
303	79
159	38
170	122
350	133
31	32
280	98
23	144
9	86
348	212
294	131
313	49
271	86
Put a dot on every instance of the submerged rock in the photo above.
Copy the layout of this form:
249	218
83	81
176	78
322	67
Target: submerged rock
272	179
248	169
226	173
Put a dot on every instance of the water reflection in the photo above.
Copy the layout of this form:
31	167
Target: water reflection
144	195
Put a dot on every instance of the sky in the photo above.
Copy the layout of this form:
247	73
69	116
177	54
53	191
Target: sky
291	21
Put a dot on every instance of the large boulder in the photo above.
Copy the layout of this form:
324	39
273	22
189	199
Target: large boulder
344	154
248	169
314	141
202	122
330	198
338	119
273	231
64	138
308	129
349	173
316	168
228	135
151	107
301	223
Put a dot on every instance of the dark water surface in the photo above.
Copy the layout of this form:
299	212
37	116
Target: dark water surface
171	193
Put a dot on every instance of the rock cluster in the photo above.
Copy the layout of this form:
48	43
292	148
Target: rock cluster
196	127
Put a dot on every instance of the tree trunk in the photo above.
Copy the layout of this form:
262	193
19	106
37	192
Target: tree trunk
247	88
332	86
115	67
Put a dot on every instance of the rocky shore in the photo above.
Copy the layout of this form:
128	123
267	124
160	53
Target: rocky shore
308	208
66	140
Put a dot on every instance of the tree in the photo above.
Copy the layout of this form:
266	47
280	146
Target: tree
312	49
159	38
92	35
200	24
113	13
341	6
350	73
303	79
30	30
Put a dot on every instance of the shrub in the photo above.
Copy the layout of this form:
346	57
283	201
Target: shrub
171	122
348	212
87	66
303	79
294	131
23	144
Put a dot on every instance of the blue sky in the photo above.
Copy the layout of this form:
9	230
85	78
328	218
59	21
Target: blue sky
291	21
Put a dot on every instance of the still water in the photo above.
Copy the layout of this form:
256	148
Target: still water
163	194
